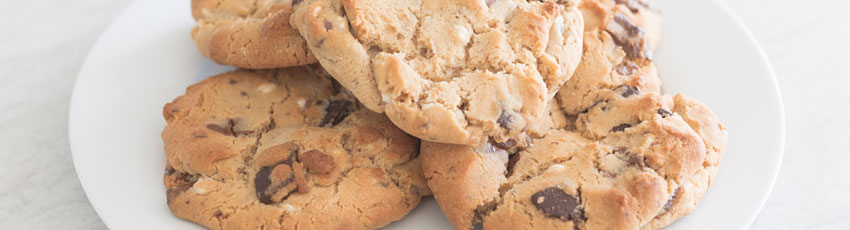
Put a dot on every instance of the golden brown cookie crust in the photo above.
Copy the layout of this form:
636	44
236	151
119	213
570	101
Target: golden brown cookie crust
450	71
249	34
285	149
613	153
640	161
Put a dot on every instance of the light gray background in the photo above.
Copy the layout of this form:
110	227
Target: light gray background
43	44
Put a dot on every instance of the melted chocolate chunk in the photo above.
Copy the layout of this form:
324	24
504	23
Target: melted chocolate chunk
593	106
636	161
184	182
628	90
505	119
224	130
229	129
263	181
328	25
669	203
510	143
664	113
627	68
511	163
483	211
620	128
554	202
336	112
295	2
199	135
629	36
633	159
633	5
478	226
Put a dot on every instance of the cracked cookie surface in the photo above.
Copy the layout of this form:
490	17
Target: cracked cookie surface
449	71
286	149
613	153
253	34
635	162
619	40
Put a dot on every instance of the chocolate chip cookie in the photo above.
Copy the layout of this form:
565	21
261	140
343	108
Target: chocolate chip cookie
286	149
612	153
252	34
449	71
629	162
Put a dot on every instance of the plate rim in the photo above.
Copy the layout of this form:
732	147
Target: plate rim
751	38
74	99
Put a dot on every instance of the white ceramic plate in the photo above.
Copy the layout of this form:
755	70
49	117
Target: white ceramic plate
147	58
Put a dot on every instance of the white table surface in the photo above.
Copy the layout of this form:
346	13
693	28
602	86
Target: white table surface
43	44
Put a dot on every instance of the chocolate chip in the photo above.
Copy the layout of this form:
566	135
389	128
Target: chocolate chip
633	5
183	181
620	128
669	203
424	52
263	180
295	2
505	119
593	105
233	81
636	161
511	163
224	130
510	143
633	159
627	68
478	226
199	135
483	211
229	129
318	162
554	202
490	2
630	37
262	183
217	213
336	112
628	90
243	93
664	113
620	150
328	24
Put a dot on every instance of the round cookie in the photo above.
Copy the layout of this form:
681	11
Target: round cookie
449	71
639	161
618	43
286	149
249	34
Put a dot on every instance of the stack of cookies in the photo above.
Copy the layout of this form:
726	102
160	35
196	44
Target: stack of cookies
514	114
